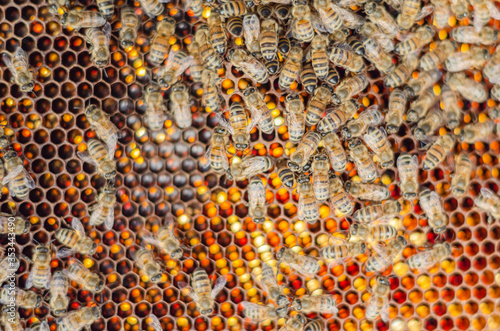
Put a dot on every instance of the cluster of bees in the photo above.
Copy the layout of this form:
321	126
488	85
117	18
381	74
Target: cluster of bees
326	47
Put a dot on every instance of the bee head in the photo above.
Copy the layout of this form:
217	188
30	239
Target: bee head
110	175
383	280
297	304
370	7
207	311
282	312
64	18
336	99
156	278
301	318
27	226
93	249
127	39
59	312
249	91
403	240
279	254
363	248
38	300
354	229
282	300
177	254
96	311
99	286
411	195
419	132
91	109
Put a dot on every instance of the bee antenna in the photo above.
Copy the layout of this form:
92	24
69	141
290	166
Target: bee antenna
36	241
105	73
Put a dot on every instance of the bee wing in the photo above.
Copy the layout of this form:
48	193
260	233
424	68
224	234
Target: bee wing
111	145
106	30
224	123
12	174
293	119
371	140
355	20
426	10
251	28
65	252
31	277
77	225
318	24
95	214
252	306
431	202
301	206
152	241
155	322
8	62
8	327
110	219
336	240
384	313
494	12
29	179
219	285
188	290
186	63
487	193
44	326
85	157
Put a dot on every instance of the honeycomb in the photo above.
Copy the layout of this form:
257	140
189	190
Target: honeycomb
167	172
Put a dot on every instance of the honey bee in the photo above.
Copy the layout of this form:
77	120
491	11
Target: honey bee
381	17
9	223
40	275
238	126
423	36
338	117
408	175
425	80
295	323
18	65
268	39
308	208
431	60
484	10
100	122
316	325
308	78
295	117
305	149
303	264
37	326
211	96
411	12
438	151
217	34
176	64
261	313
317	105
232	8
59	299
260	112
370	117
370	192
376	55
201	291
103	212
492	69
421	106
383	259
320	167
282	11
101	157
250	166
156	110
452	111
397	106
302	24
367	171
381	212
234	25
490	203
339	199
130	26
346	59
257	200
147	264
270	285
160	45
79	319
249	65
17	178
474	58
349	88
285	174
379	301
8	266
467	87
75	239
180	105
427	259
22	299
207	53
197	65
460	180
325	303
429	124
335	152
431	204
442	13
166	240
350	19
402	73
467	34
77	20
196	6
331	19
341	251
477	132
371	233
78	273
371	30
291	68
460	8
